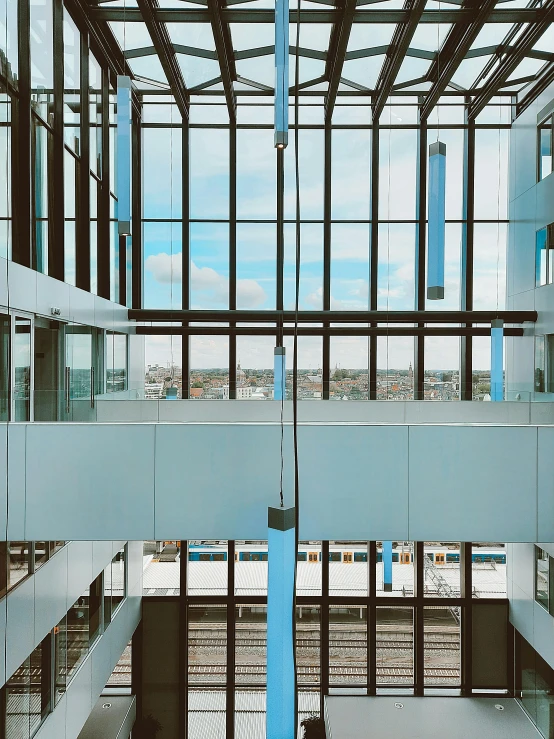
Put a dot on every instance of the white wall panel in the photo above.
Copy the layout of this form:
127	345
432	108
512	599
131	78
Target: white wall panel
50	593
473	483
215	478
79	700
16	480
545	463
20	629
23	287
107	482
52	294
353	482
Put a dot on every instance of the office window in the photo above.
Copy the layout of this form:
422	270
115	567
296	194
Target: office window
545	131
95	609
27	694
544	256
544	364
115	588
77	634
116	362
542	577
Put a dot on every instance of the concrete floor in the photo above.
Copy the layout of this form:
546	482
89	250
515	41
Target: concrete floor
351	717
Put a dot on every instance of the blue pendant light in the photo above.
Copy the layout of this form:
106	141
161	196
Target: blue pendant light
124	155
279	369
281	73
497	359
436	221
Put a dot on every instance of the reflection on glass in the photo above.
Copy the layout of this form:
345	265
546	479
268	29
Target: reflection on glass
42	55
348	645
22	370
41	553
77	634
442	645
60	658
207	644
395	645
545	148
542	569
27	695
95	609
40	144
4	367
78	350
19	561
115	587
116	362
250	644
72	82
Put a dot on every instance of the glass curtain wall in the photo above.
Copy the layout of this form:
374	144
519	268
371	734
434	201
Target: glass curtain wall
354	632
237	259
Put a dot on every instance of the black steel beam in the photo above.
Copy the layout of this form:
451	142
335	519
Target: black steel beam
338	44
452	52
149	10
21	148
224	50
544	79
56	250
396	53
321	331
258	15
509	63
335	316
82	246
102	40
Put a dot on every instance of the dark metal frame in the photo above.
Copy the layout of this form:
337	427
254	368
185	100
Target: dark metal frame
324	602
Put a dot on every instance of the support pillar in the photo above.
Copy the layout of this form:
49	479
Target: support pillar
387	566
281	679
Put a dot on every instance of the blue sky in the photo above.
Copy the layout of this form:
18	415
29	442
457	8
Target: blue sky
256	242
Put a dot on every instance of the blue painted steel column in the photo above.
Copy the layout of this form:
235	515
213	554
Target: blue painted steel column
279	370
281	73
281	704
124	155
497	359
387	566
436	221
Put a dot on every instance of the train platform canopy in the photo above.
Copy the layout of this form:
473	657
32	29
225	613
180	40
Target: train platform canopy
210	578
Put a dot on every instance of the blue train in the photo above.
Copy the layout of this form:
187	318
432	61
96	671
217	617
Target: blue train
437	555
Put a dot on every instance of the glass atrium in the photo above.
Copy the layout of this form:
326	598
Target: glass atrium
245	200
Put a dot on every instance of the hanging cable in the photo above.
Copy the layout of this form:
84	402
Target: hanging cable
295	341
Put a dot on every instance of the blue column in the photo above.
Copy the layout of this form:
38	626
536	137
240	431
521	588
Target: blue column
387	566
436	221
124	155
281	73
497	359
279	370
281	683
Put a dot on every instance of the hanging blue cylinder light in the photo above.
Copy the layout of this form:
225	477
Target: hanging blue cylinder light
281	683
124	155
497	359
279	370
436	221
281	73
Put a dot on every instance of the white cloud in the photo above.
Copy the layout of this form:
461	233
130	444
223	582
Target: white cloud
167	269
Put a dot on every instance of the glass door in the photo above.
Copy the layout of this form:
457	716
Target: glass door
48	370
22	369
79	373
